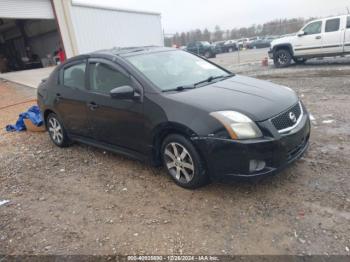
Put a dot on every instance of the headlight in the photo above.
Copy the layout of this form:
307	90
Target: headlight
239	126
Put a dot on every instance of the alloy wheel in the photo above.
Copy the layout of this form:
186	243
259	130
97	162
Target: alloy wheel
55	130
179	162
282	58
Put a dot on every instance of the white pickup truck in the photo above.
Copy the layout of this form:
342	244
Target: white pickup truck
319	38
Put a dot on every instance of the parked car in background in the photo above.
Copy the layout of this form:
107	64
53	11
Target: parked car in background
168	107
231	45
242	43
202	48
319	38
271	38
259	43
252	39
220	47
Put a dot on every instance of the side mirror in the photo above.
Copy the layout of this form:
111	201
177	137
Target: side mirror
123	92
301	33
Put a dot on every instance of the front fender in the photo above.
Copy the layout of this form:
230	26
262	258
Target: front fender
283	46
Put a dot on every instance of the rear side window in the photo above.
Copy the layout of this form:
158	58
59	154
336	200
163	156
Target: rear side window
313	28
104	78
332	25
74	76
348	22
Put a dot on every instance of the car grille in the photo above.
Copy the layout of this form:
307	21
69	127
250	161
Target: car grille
284	122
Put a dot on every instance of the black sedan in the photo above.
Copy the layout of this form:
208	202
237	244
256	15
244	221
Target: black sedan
260	43
166	106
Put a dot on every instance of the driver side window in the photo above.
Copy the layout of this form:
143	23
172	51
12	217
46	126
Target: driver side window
104	78
313	28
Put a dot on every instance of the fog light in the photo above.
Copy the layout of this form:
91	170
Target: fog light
256	165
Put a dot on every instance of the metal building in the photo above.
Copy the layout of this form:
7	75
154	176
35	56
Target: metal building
33	31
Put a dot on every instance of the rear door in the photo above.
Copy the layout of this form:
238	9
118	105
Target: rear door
347	35
333	36
311	42
118	122
71	96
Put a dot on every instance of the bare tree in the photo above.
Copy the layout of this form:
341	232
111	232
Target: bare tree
272	28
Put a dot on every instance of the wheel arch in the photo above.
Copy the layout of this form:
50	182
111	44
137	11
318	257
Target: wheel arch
286	46
161	132
46	113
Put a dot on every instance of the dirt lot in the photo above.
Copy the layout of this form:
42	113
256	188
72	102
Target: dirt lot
82	200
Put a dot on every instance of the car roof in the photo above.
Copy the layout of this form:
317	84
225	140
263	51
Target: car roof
130	51
118	51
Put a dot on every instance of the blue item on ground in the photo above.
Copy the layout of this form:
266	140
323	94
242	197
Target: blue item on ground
33	114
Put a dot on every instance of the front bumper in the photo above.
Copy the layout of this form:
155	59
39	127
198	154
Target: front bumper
226	158
270	53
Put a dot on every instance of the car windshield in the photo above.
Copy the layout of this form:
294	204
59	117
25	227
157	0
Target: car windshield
171	69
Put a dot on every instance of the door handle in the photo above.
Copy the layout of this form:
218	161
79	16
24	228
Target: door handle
318	37
92	106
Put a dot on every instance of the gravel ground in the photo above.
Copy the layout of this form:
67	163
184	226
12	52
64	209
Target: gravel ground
83	200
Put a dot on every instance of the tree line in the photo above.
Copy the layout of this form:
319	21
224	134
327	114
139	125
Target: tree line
275	27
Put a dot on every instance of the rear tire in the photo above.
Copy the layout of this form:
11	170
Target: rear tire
282	58
56	131
183	163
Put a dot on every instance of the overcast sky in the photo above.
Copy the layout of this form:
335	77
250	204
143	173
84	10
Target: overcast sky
184	15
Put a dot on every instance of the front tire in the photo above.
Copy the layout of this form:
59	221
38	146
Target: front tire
282	58
207	54
183	163
56	131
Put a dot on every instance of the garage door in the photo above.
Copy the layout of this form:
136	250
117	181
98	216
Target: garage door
26	9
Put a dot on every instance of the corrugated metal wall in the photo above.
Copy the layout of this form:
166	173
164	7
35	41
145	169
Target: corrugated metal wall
26	9
100	28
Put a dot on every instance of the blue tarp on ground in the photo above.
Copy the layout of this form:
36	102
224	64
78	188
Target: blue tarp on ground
33	114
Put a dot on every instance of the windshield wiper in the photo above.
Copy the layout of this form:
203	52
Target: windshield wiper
180	88
212	78
193	86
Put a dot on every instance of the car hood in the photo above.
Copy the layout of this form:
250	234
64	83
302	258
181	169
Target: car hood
259	100
283	40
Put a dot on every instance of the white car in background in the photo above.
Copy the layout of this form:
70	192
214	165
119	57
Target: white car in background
319	38
242	43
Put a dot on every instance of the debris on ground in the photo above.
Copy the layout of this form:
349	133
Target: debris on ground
328	121
33	114
4	202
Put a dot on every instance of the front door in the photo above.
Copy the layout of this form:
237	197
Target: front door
118	122
347	35
310	42
71	96
333	36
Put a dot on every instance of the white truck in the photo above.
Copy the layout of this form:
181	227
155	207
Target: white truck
325	37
